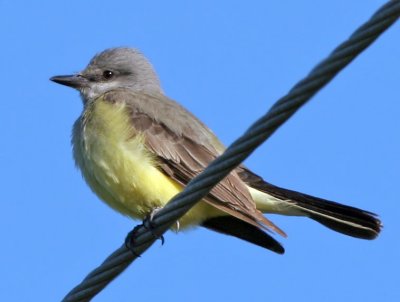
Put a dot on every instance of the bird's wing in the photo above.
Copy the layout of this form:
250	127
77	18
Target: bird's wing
184	147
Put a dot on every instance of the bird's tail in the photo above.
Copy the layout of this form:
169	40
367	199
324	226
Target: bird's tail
338	217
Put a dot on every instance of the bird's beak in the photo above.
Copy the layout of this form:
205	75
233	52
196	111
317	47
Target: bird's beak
76	81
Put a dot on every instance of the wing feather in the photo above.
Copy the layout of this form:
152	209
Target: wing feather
183	147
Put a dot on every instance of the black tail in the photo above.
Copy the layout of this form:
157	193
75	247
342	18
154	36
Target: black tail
338	217
233	226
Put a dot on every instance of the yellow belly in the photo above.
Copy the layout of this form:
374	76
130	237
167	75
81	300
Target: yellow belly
120	170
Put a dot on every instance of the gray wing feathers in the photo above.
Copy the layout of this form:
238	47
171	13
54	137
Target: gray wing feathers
184	147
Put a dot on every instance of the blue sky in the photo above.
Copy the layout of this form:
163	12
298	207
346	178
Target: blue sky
226	61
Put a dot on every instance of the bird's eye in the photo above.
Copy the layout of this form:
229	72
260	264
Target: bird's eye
108	74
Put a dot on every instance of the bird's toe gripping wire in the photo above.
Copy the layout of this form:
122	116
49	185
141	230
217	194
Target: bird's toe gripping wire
148	224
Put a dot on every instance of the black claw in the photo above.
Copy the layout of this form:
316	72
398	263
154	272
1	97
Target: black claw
148	224
130	242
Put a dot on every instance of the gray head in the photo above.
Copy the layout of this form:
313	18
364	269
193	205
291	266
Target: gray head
112	69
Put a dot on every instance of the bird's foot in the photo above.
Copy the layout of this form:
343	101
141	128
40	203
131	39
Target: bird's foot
148	225
130	240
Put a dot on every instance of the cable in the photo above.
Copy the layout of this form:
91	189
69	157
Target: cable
261	130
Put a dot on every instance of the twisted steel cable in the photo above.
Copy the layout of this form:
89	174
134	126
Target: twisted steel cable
261	130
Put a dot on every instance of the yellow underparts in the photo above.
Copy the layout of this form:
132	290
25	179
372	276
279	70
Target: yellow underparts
120	170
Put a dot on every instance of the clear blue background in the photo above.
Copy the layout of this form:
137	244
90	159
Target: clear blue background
227	61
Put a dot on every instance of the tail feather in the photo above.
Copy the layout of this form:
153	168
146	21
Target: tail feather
233	226
338	217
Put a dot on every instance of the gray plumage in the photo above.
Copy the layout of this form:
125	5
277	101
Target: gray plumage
131	70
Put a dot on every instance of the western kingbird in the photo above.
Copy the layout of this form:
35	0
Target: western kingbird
136	148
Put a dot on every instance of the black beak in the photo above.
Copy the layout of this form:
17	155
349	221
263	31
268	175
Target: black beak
75	81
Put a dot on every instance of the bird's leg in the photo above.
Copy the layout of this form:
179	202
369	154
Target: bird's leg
148	225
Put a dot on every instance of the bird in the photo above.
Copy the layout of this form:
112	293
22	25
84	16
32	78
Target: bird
137	148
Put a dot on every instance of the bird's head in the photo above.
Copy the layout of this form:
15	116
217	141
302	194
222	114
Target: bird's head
113	69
